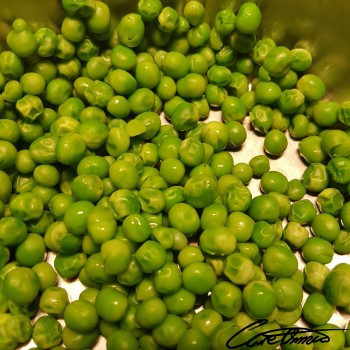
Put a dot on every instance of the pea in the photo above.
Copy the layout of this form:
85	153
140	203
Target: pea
264	207
100	19
168	19
28	289
311	86
279	261
175	65
318	249
277	61
185	86
47	332
257	294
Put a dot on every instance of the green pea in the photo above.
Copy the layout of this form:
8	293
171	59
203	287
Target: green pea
72	339
312	87
264	207
335	142
47	332
172	170
248	18
274	181
185	86
318	249
226	56
233	109
336	285
54	301
185	218
142	100
277	61
21	293
198	277
325	226
341	244
149	9
295	234
302	211
100	19
47	42
279	261
315	275
316	309
69	266
310	148
225	21
20	39
226	298
175	65
58	90
259	299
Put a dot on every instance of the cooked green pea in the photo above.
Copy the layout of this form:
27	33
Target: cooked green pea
326	113
259	299
310	148
69	266
302	211
264	207
151	256
290	101
47	332
78	340
295	234
168	19
248	18
318	249
325	226
312	87
58	90
175	65
54	301
100	19
198	277
47	42
261	118
191	85
277	61
26	291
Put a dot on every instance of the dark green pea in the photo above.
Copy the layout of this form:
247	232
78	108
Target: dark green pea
242	43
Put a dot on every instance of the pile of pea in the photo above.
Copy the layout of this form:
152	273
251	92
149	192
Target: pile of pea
154	218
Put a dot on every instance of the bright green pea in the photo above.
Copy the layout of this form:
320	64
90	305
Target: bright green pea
47	42
318	249
312	87
290	101
142	100
273	181
58	90
21	293
316	309
31	251
225	21
325	226
267	92
168	19
338	170
302	211
118	142
175	65
279	261
238	268
83	8
78	340
98	94
185	218
80	316
100	19
54	301
149	9
233	109
151	256
199	35
69	266
310	148
172	170
211	238
326	113
335	143
261	118
315	274
198	277
166	88
248	18
73	29
259	299
341	244
264	207
214	215
295	234
225	57
330	201
167	279
277	61
47	332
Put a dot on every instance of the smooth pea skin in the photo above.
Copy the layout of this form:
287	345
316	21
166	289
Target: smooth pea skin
185	218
